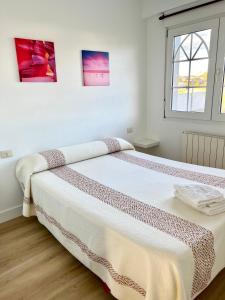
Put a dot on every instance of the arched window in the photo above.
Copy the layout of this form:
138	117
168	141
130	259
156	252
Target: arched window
191	59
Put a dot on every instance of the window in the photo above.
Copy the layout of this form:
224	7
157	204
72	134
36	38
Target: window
195	71
190	71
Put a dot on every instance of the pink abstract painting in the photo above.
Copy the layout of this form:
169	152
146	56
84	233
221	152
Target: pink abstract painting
95	68
36	60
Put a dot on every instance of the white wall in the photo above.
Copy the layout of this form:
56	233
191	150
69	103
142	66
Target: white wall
38	116
153	7
169	130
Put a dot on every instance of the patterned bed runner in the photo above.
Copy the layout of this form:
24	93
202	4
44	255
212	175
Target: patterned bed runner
212	180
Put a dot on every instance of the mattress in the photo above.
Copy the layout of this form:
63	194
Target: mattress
117	214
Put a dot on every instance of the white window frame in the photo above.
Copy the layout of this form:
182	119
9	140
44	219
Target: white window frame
207	114
220	73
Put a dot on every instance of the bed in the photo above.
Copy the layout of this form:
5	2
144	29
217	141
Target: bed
113	208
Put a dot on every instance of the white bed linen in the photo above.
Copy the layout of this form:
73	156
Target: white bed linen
160	264
46	160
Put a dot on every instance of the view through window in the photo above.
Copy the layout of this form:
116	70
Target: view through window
190	71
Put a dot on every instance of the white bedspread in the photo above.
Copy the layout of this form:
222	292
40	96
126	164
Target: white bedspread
117	215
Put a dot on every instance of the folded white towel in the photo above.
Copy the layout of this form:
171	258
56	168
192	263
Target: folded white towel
198	204
198	195
203	198
214	209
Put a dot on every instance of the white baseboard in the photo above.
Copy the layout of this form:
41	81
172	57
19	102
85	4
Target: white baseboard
11	213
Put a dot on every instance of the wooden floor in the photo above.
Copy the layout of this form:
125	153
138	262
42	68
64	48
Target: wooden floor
33	265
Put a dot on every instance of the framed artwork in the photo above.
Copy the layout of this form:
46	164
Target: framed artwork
36	60
95	68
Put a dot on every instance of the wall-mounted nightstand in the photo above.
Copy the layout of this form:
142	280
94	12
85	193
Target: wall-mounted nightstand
145	144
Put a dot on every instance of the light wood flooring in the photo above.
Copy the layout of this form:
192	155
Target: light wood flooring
34	265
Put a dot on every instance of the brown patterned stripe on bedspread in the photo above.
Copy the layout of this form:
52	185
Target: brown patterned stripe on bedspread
120	279
173	171
199	239
112	144
55	158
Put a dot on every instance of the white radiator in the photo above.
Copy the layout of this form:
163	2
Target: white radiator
204	149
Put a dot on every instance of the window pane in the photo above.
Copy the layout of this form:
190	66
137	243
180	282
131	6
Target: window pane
181	74
201	44
187	46
199	72
196	43
180	99
196	100
182	47
206	36
178	40
180	55
202	52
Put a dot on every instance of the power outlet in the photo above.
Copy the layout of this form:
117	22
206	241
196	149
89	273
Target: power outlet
130	130
6	154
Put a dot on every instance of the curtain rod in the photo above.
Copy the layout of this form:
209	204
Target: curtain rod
163	16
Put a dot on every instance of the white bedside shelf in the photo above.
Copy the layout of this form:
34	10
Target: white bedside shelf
145	143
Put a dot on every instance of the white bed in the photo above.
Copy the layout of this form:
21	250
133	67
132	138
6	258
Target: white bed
116	213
